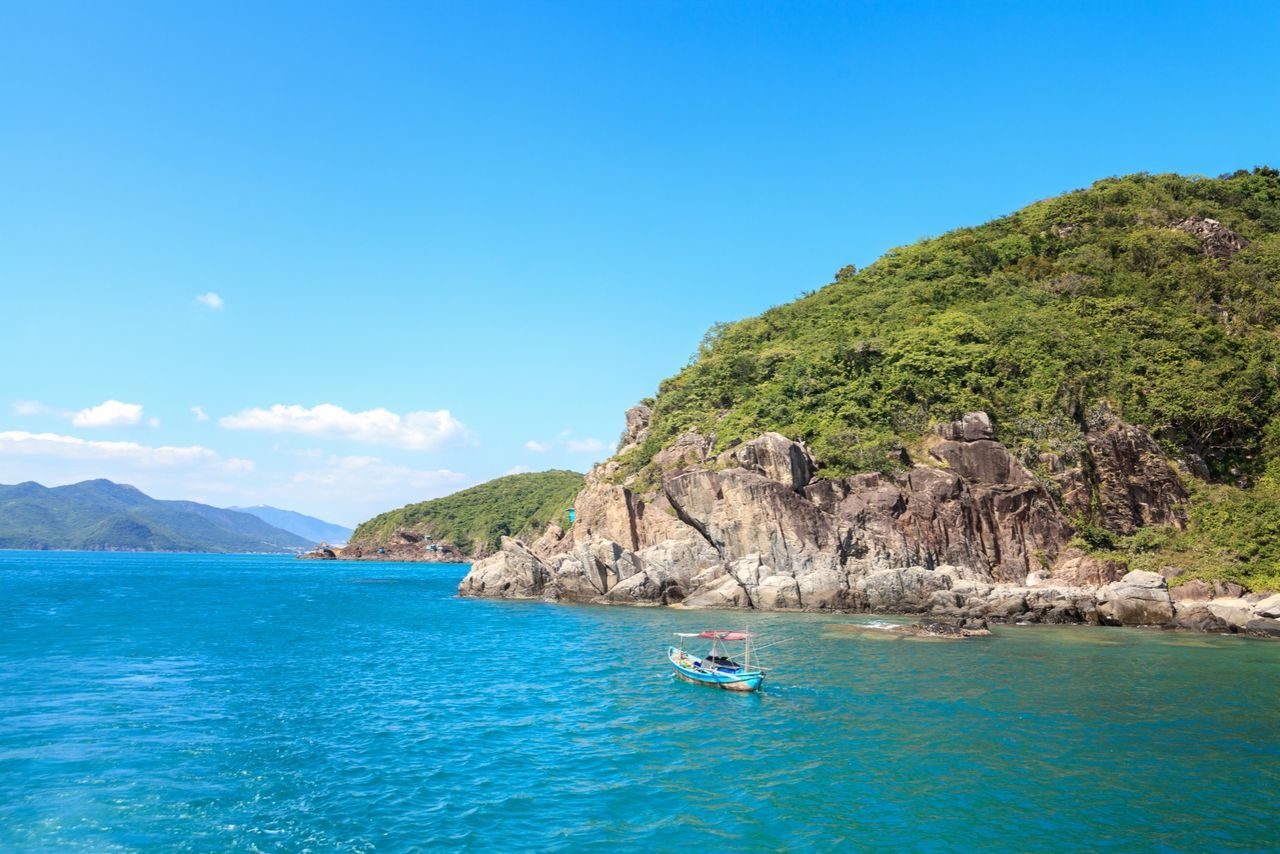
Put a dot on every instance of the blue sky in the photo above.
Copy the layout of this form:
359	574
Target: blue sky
451	240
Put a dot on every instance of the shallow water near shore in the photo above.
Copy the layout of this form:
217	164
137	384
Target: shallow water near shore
247	702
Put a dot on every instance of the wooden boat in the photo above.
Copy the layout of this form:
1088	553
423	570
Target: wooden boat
717	667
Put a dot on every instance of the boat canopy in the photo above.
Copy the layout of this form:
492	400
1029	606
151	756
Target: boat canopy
712	634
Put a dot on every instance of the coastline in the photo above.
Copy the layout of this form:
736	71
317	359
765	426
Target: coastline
966	533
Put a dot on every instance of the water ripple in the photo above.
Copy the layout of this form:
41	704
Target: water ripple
261	704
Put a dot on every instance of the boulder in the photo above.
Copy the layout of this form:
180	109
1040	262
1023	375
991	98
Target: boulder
637	427
1004	604
679	559
1200	619
982	461
778	593
1138	599
908	590
1263	628
1079	569
1193	590
1235	612
645	588
827	589
726	593
513	572
689	449
941	626
1227	590
549	543
1268	607
774	456
970	428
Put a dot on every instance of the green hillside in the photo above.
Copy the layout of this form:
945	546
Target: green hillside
1118	297
475	519
99	515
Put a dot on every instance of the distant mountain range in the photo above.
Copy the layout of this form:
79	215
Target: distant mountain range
308	527
99	515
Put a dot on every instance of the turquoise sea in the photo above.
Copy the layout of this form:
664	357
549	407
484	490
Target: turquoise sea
242	703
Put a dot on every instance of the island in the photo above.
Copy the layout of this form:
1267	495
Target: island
1070	414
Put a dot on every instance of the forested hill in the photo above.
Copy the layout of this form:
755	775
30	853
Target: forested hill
1153	298
475	519
99	515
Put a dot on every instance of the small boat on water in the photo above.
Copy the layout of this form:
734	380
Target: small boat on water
717	667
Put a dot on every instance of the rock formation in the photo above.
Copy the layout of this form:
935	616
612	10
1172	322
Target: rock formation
404	546
1216	240
968	533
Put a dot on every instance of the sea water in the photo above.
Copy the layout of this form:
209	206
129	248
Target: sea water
261	703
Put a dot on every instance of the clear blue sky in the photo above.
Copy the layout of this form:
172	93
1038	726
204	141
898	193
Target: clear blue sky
526	214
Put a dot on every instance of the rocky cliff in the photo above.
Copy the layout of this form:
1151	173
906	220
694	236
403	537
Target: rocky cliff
1115	349
966	531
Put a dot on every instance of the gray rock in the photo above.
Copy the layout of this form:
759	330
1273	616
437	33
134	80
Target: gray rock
970	428
778	593
513	572
1263	628
1136	485
1227	590
907	590
1216	240
1194	590
776	457
1200	619
637	429
1080	569
1268	607
727	593
1235	612
645	588
1138	599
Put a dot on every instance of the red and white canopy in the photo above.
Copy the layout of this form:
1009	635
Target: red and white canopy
713	634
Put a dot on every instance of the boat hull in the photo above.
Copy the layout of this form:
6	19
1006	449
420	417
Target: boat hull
742	680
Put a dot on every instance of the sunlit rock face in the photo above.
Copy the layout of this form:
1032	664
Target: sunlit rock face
967	532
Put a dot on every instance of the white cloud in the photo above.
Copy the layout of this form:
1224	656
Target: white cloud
211	300
22	443
346	489
538	447
199	413
30	407
414	430
587	446
354	488
517	470
110	413
153	423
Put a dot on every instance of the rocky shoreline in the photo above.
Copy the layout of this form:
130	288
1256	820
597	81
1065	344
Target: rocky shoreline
965	533
403	547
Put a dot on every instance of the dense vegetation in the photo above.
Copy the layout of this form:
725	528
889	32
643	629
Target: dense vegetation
518	505
1090	302
99	515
